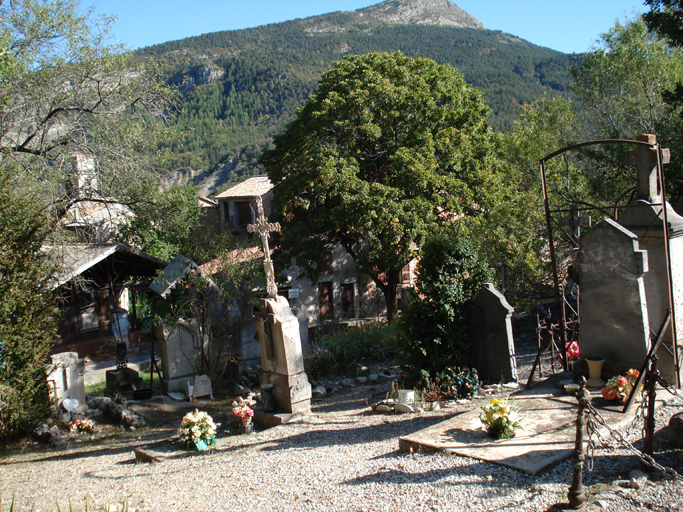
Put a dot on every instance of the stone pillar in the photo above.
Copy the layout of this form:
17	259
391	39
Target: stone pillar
281	357
644	217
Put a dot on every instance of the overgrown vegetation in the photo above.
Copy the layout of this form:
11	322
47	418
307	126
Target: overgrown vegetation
344	351
27	305
435	322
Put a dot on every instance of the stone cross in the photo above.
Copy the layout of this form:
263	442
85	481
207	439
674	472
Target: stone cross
575	220
263	228
645	161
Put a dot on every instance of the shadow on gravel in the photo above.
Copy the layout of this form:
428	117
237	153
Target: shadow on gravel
349	435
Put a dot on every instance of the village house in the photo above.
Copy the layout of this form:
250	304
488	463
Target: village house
98	284
341	294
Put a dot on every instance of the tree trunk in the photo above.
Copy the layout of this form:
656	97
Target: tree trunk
390	291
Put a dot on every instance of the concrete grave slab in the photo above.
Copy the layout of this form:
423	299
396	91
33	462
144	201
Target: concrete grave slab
548	418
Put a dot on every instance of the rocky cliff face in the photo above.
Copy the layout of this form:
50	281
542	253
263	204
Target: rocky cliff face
421	12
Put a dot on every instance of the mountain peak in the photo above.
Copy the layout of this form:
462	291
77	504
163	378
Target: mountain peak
422	12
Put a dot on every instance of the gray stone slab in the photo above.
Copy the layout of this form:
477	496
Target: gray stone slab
202	387
548	419
269	420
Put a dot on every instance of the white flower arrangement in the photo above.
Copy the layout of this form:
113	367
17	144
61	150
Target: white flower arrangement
500	419
198	430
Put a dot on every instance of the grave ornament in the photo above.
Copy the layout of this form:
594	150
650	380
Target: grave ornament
264	228
277	331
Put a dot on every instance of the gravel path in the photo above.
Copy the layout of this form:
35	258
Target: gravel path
344	459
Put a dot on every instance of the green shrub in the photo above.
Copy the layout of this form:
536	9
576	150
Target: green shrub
27	306
435	322
342	352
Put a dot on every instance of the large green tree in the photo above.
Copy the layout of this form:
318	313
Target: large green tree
71	92
627	83
387	150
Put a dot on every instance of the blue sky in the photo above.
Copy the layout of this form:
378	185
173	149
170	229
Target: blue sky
566	26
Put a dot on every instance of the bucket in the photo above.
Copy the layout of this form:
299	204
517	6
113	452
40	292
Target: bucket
406	396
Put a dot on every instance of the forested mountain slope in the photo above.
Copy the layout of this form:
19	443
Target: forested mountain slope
241	87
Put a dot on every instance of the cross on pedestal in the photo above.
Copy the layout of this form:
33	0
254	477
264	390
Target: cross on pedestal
645	161
575	221
263	228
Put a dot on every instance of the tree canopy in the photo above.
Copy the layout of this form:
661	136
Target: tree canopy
387	150
70	92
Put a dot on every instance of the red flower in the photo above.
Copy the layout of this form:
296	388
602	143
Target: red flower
609	393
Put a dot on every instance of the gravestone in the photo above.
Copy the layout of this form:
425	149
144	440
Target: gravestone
65	378
277	331
202	387
491	342
614	320
177	347
644	217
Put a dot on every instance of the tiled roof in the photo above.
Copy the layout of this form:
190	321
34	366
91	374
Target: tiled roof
252	187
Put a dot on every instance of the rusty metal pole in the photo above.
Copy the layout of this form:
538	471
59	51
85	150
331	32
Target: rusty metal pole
576	493
559	297
651	385
667	254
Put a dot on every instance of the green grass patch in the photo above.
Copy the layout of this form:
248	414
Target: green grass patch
101	387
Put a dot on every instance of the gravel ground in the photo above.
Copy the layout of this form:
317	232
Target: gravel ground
344	459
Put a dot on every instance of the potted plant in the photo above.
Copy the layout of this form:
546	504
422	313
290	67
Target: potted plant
500	419
243	410
198	430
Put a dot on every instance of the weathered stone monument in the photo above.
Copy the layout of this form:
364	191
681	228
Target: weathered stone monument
278	336
644	216
65	378
177	347
491	341
614	320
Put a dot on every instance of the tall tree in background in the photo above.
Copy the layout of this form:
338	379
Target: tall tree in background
666	18
623	79
627	82
387	150
73	93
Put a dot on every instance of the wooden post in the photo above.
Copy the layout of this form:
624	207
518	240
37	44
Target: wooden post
576	494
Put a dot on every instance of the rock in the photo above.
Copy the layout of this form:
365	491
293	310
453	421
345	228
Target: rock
319	391
405	408
42	433
97	402
63	416
637	479
362	380
141	456
386	378
372	378
511	385
418	408
348	383
240	390
123	416
676	430
383	408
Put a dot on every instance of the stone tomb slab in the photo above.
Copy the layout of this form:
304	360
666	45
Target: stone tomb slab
548	418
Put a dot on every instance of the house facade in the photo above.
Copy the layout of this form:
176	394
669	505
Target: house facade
341	293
